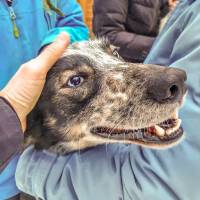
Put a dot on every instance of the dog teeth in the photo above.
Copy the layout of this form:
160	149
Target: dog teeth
159	131
171	130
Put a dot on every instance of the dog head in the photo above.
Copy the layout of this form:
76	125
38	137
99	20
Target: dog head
92	97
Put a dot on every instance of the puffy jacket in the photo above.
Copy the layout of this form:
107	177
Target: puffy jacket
130	172
37	27
131	25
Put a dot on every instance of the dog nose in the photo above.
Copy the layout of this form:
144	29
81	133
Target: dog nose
168	86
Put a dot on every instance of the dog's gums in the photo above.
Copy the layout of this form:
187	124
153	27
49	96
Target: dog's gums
93	97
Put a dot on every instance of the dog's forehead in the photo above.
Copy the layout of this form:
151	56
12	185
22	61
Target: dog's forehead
95	51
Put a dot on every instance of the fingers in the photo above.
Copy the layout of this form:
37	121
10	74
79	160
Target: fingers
51	53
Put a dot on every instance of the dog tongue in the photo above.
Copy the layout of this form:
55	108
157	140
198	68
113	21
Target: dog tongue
157	130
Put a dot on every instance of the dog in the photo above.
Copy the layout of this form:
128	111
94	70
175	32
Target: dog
93	97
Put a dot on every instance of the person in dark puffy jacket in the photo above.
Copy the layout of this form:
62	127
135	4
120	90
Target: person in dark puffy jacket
131	25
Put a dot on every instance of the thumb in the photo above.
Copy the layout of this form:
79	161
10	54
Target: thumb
52	53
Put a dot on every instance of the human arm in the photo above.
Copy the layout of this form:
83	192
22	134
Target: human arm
74	176
20	95
110	18
11	135
71	22
107	172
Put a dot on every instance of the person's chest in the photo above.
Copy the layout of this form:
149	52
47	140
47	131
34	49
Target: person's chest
24	25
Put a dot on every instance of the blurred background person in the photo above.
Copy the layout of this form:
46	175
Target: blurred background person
130	25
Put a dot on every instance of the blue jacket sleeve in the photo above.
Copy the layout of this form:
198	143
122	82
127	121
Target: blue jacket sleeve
75	176
72	23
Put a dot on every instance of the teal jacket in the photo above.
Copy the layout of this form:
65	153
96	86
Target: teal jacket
37	27
130	172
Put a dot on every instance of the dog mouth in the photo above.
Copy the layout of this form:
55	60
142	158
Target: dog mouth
165	133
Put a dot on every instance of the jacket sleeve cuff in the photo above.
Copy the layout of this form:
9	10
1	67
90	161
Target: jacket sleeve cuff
75	34
11	135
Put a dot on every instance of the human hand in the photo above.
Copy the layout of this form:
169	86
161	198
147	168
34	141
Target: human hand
172	3
24	89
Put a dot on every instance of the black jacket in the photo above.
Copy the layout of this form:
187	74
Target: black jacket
131	25
11	136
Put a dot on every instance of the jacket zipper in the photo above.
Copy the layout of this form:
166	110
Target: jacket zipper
13	17
13	20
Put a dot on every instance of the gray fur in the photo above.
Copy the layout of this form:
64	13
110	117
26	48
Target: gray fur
114	94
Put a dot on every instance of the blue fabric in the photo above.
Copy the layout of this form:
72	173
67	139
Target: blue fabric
130	172
37	28
8	187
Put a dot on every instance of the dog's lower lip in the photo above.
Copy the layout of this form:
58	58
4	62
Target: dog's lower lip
145	135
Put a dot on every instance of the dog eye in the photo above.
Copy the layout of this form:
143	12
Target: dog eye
115	53
75	81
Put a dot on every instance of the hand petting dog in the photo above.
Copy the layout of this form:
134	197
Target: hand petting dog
24	89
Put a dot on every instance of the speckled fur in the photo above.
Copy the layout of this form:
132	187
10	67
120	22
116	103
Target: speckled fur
114	94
